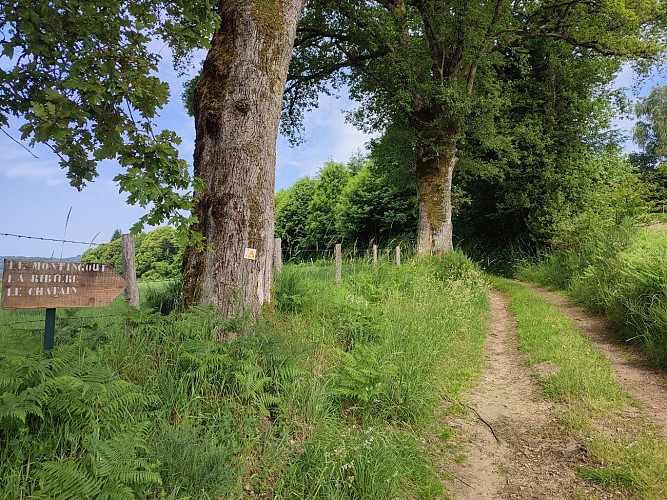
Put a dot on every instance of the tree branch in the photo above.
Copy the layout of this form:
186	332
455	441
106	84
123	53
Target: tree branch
19	143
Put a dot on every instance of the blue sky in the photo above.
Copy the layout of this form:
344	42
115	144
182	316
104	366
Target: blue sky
36	196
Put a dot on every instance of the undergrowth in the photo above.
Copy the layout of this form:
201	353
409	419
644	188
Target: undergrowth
619	271
329	396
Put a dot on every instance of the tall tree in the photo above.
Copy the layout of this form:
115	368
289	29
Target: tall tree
651	128
651	134
82	76
237	109
292	214
321	223
425	62
533	163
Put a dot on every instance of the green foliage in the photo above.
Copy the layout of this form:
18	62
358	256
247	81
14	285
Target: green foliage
520	91
289	291
292	214
610	477
195	405
651	128
82	77
321	222
542	155
357	205
625	453
585	245
164	297
158	254
364	379
71	428
651	134
373	209
360	463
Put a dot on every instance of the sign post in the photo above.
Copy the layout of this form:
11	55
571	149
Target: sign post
49	329
49	284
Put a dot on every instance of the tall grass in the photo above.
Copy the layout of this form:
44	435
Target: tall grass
619	271
329	396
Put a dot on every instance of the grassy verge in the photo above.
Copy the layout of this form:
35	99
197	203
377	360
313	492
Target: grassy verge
620	271
628	453
332	395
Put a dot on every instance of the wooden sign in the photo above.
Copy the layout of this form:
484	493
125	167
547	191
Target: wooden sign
49	284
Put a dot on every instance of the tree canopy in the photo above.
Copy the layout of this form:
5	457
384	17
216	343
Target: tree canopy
158	254
81	77
651	128
426	63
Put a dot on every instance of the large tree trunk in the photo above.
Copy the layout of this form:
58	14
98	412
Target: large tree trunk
434	188
237	108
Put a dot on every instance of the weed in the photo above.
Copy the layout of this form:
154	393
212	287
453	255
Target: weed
609	477
619	271
164	297
331	397
290	291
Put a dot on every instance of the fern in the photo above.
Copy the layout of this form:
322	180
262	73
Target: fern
66	480
363	376
117	463
19	406
70	427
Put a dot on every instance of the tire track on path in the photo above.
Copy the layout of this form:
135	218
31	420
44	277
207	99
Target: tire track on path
629	364
533	458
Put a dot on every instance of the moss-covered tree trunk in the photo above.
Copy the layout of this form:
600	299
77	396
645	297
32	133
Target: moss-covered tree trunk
237	108
434	172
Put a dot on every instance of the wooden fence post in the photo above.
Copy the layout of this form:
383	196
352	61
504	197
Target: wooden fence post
129	270
339	263
375	255
398	255
277	254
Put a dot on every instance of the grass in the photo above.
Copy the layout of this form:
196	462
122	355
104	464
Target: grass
626	453
334	394
619	271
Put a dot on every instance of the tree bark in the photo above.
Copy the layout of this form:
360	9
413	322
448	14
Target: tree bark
237	108
434	185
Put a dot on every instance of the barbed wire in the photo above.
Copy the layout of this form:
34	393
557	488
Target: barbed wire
59	240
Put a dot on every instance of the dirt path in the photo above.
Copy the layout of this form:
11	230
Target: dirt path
629	364
531	458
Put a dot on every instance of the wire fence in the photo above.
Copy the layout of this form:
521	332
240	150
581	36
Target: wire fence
58	240
295	255
39	320
290	253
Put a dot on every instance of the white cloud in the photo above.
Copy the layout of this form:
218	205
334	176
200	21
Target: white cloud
51	176
328	137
